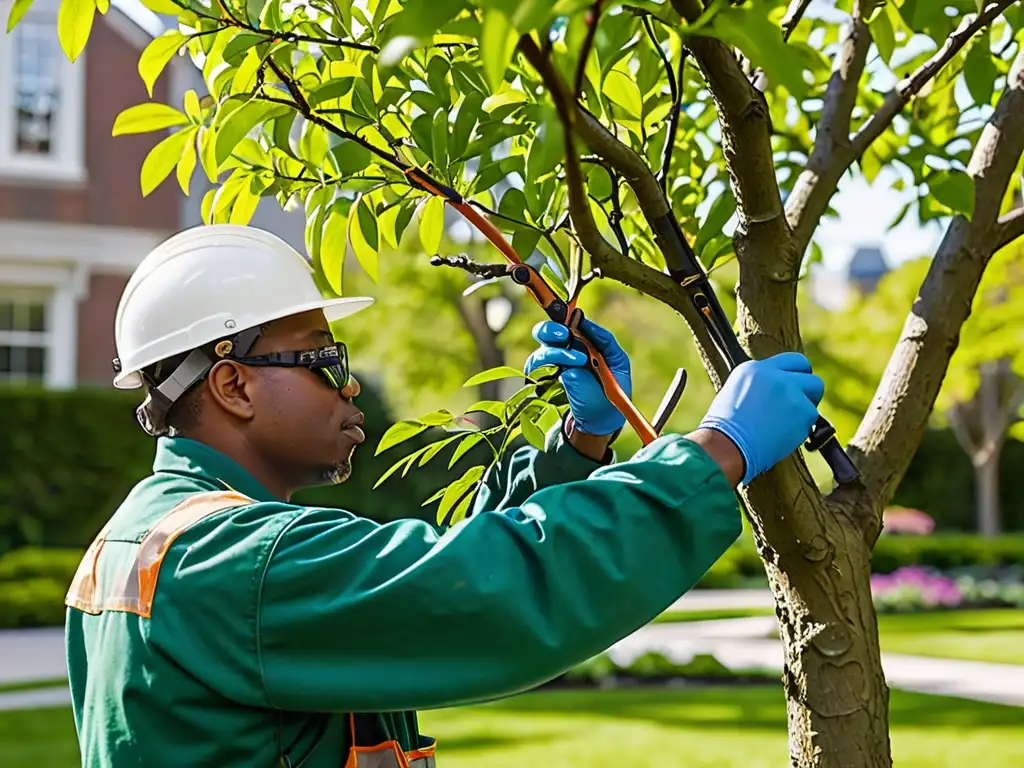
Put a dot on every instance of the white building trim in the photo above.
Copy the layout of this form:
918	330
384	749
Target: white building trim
111	250
67	163
55	260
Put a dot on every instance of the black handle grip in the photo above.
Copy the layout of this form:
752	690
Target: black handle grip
836	457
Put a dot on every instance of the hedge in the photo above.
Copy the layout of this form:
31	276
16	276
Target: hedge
67	459
741	567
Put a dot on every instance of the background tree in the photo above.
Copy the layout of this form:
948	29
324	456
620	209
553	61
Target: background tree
983	392
617	117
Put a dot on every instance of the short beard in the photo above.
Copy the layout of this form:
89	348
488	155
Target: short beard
337	474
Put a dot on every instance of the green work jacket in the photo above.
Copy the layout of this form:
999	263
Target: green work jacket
248	636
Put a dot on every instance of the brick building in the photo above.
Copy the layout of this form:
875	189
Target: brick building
73	222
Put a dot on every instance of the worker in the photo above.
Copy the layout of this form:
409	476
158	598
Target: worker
213	622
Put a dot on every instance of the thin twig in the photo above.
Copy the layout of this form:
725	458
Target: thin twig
488	271
794	13
1009	227
910	86
593	15
676	93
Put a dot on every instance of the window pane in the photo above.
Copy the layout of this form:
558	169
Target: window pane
36	317
35	363
6	316
36	78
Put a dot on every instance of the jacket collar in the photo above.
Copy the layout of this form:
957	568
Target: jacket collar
183	456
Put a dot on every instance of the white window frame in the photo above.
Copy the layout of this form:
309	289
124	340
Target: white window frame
44	339
67	163
59	288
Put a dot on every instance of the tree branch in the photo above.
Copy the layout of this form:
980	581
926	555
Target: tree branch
909	86
746	124
652	203
819	181
898	415
1009	228
831	155
794	13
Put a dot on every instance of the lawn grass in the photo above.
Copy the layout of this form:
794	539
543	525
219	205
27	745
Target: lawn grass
691	728
673	617
988	634
995	634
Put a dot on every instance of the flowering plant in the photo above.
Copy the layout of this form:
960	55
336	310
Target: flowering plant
916	588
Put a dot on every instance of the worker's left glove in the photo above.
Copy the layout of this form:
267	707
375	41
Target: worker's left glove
591	410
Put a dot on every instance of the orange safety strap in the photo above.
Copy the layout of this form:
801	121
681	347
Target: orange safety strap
135	591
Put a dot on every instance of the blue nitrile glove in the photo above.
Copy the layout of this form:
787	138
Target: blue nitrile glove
767	407
591	410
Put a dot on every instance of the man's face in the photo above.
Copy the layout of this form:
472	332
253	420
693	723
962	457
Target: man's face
301	423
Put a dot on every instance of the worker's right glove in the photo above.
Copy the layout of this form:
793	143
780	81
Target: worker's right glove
591	409
767	408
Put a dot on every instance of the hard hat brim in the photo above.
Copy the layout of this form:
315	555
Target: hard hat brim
333	309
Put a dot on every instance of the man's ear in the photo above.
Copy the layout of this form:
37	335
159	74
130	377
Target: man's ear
230	385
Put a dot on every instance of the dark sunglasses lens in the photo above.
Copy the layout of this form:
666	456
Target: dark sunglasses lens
336	375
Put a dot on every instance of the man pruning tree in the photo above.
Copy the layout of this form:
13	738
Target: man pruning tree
214	623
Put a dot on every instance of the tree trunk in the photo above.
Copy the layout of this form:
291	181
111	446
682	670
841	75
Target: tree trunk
489	353
817	558
986	488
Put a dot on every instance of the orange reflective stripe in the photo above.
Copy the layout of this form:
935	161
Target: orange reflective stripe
82	591
135	592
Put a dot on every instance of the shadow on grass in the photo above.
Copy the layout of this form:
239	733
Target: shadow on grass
474	742
749	708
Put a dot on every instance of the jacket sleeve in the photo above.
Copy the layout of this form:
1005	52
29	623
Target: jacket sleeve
527	470
353	615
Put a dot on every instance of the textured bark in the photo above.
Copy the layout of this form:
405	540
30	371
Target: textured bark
817	551
986	479
898	415
980	425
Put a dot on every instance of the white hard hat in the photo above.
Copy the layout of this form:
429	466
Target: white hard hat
207	283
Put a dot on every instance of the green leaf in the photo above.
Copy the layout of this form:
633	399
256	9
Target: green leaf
332	245
349	156
403	462
531	432
470	111
187	164
719	213
623	93
163	6
749	28
238	124
525	242
399	433
239	44
74	24
144	118
954	189
468	442
459	492
599	182
437	418
432	224
883	34
17	12
162	158
980	71
156	56
494	374
498	40
547	148
192	108
363	237
439	140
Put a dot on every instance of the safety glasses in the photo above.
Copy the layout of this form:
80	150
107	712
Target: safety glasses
330	362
